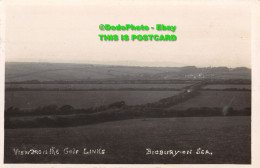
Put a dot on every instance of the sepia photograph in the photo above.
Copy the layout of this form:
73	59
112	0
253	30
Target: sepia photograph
127	82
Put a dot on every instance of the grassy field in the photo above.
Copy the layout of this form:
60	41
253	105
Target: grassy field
234	99
75	72
96	86
126	141
227	86
72	72
134	108
81	99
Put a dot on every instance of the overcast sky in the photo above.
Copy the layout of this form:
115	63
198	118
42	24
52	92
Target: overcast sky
67	31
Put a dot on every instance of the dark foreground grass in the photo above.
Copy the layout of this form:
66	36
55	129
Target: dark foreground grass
228	138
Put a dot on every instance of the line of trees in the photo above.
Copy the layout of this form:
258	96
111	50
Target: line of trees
115	114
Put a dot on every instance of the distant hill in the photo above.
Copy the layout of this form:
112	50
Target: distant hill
19	72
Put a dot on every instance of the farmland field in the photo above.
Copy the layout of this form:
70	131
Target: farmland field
228	138
96	86
163	109
227	86
234	99
81	99
50	71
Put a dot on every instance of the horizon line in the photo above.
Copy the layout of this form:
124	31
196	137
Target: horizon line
112	63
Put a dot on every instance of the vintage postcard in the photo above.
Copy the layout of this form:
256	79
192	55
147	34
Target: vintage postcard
129	82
